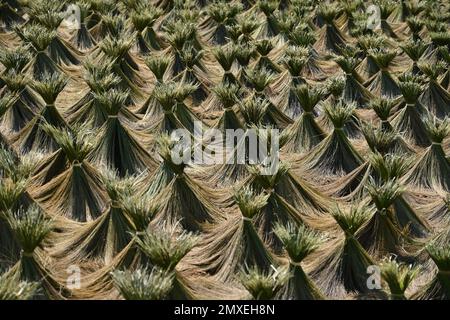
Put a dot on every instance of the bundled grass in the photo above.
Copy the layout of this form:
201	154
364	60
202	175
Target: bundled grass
165	248
7	102
77	192
291	200
181	36
227	94
116	145
16	169
380	167
335	154
15	59
76	144
432	169
249	203
341	267
106	236
380	140
257	110
52	54
183	200
415	24
400	218
408	119
88	109
437	129
145	17
298	66
383	107
368	42
253	111
381	234
440	38
112	101
82	39
98	75
223	14
170	109
354	90
264	47
140	210
143	284
32	136
143	20
301	36
225	56
110	24
286	23
31	228
158	65
162	105
42	6
386	9
39	37
308	96
193	73
15	83
302	98
124	66
384	195
305	133
191	57
438	286
168	169
268	6
244	53
115	48
49	19
435	97
12	195
235	243
10	192
398	277
247	24
390	166
49	87
263	286
234	169
11	288
330	37
335	86
414	50
382	83
347	62
410	87
259	78
117	187
299	242
295	59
